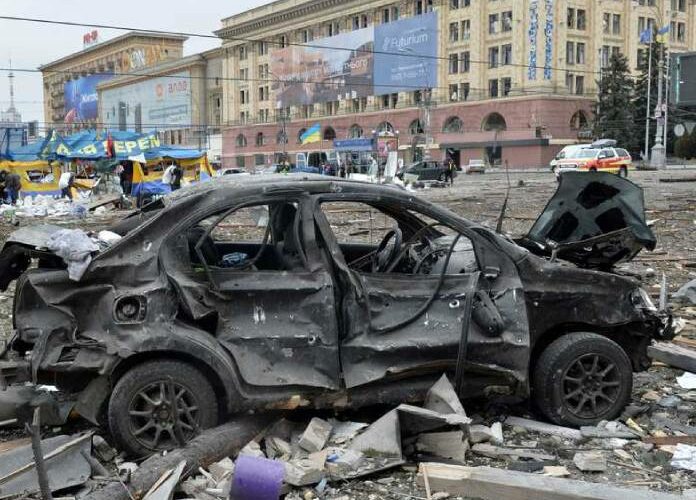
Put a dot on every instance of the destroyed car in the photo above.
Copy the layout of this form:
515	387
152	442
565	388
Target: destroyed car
279	292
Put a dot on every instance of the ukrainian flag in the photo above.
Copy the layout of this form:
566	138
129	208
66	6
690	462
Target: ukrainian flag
312	134
662	34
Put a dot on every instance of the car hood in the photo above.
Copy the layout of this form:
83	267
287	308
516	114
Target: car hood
594	220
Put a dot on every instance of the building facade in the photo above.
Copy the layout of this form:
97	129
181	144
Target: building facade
69	83
181	99
515	79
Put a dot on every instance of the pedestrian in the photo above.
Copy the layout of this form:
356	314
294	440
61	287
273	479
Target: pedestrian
65	183
449	171
13	185
172	176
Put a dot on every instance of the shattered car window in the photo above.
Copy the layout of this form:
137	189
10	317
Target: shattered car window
258	237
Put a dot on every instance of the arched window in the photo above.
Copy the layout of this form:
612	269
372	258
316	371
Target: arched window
415	128
453	125
579	120
259	139
385	127
355	131
281	137
300	134
241	141
494	122
329	134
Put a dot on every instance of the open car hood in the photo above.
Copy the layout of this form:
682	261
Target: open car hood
594	220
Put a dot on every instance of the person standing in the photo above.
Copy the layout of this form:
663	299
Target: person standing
13	185
449	171
177	175
65	183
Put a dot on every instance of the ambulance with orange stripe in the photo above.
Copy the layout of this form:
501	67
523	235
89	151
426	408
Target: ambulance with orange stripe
601	156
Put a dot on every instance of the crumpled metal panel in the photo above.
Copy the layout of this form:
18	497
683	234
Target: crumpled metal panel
588	205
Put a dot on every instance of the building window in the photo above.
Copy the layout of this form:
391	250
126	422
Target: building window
356	23
385	16
241	141
453	92
507	20
494	121
570	82
333	29
679	5
580	85
493	24
570	18
581	17
243	74
580	53
300	133
507	86
570	52
605	53
640	54
415	128
385	127
453	125
465	64
616	24
464	89
454	32
306	36
493	57
466	29
423	6
453	63
606	23
259	139
493	88
578	121
681	32
243	97
239	161
394	13
242	53
355	131
454	4
329	134
259	160
262	48
364	21
283	41
507	54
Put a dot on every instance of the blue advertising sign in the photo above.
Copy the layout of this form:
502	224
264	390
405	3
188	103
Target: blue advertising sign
416	39
81	98
353	145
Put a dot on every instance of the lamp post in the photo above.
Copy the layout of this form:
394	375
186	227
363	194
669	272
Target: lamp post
283	117
657	159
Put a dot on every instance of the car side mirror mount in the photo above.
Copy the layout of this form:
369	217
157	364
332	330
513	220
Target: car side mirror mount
491	272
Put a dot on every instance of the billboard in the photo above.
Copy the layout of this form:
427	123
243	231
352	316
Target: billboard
354	64
330	69
155	104
81	102
415	39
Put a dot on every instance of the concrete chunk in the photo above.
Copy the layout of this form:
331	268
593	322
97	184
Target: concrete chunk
479	433
590	461
222	469
497	437
315	435
444	444
383	437
344	462
302	472
442	398
277	448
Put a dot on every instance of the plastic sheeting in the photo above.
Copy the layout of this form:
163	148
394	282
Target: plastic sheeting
75	248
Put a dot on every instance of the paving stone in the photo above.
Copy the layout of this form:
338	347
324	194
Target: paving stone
316	435
590	461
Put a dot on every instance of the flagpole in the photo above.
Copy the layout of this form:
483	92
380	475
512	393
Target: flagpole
647	110
667	64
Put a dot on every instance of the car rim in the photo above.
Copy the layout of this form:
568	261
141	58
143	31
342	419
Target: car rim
153	421
591	386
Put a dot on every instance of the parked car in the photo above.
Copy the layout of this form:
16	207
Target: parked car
476	166
426	171
601	156
242	294
231	171
567	152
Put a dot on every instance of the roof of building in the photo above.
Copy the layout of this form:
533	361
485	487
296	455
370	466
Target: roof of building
112	41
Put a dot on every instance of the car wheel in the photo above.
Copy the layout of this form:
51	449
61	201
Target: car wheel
581	379
623	172
593	169
441	177
140	409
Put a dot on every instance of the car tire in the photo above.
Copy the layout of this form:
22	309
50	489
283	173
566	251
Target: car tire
139	418
623	172
581	379
593	169
442	177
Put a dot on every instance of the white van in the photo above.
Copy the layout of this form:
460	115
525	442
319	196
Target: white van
567	152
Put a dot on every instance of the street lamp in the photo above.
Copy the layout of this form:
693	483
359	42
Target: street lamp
283	118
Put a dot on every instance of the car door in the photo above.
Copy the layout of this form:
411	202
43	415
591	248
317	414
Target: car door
406	325
270	300
607	158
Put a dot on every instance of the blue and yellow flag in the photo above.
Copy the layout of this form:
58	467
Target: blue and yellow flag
312	134
662	34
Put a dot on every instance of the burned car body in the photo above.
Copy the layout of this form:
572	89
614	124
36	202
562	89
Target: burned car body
259	293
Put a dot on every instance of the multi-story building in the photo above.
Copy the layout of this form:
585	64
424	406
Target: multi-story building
70	82
181	99
514	81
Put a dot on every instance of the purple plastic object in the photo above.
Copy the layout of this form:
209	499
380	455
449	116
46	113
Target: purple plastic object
257	479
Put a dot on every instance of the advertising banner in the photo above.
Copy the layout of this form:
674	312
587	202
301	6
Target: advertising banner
159	103
81	103
330	69
416	39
